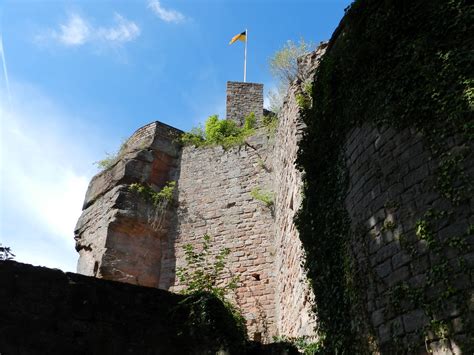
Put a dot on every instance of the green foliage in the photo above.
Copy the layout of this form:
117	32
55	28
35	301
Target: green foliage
204	273
166	194
6	253
220	132
196	137
271	123
267	197
283	64
303	101
209	325
305	345
112	158
284	68
204	270
401	64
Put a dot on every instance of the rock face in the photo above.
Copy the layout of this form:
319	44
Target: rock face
120	235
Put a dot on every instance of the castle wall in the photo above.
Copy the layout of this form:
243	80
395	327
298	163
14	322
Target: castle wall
293	295
243	99
214	198
405	236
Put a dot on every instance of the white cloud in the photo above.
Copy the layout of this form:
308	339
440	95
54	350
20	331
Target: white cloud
75	32
167	15
124	31
78	31
45	170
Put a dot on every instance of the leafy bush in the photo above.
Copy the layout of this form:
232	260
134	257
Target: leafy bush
195	137
220	132
165	194
6	253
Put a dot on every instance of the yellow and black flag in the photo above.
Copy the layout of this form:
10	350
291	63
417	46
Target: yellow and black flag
240	37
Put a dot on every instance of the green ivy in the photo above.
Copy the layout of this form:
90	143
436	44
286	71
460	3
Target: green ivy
203	274
394	63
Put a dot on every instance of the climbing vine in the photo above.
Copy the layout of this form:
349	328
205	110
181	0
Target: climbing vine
406	65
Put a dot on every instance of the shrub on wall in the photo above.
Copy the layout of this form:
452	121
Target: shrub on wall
166	194
220	132
112	158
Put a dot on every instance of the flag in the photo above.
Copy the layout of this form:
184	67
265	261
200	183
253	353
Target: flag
240	37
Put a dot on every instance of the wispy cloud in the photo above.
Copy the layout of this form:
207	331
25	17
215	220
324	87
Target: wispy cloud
44	178
74	32
167	15
124	31
77	31
5	71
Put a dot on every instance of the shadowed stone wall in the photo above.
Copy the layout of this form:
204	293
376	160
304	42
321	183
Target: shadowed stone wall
46	311
405	237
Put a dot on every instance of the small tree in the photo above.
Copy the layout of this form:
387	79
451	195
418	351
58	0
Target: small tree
6	253
284	68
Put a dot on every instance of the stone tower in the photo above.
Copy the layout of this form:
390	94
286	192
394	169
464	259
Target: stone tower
243	99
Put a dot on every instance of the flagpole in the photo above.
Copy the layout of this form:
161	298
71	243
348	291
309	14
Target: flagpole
245	56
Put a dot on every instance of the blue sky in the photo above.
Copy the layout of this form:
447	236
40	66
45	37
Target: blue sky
78	77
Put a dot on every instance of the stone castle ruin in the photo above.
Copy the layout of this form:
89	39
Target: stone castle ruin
122	237
369	251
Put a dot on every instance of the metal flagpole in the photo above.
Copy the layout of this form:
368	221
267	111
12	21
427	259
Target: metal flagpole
245	57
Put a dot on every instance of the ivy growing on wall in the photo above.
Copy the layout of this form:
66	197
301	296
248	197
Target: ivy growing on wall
394	63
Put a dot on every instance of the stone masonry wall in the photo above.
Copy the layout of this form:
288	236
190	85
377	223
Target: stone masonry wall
294	297
397	220
214	198
47	311
243	99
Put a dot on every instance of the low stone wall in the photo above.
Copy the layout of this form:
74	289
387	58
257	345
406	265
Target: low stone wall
46	311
